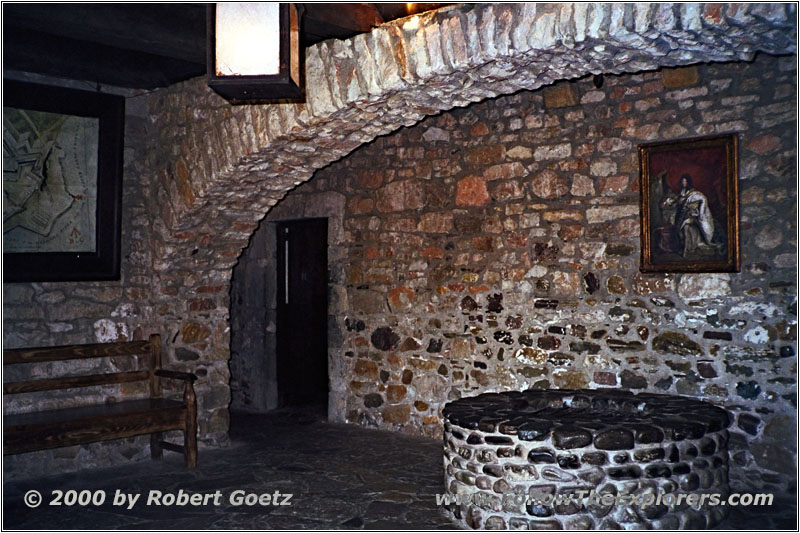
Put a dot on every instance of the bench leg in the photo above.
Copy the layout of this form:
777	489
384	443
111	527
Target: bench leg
156	451
190	432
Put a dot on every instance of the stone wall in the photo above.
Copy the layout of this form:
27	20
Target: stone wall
496	247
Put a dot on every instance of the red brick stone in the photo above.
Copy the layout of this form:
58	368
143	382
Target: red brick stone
436	195
628	227
605	378
404	224
483	244
613	185
169	290
400	196
621	91
475	289
567	282
507	190
504	171
400	298
395	360
572	165
202	304
409	345
517	239
712	13
562	95
570	231
486	155
245	226
652	87
432	252
435	222
478	130
184	187
763	144
395	393
625	122
679	77
205	289
193	332
549	184
366	368
396	414
355	275
370	179
645	284
359	205
471	191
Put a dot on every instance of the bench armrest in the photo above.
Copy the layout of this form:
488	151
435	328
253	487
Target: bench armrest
184	376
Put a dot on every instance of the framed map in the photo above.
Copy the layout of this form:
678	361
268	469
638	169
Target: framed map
62	170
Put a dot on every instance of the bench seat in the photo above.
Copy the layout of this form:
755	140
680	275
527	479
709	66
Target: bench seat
80	425
47	429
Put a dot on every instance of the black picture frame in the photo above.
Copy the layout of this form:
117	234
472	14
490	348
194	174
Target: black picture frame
104	262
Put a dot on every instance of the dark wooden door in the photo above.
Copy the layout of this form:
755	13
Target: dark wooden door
302	318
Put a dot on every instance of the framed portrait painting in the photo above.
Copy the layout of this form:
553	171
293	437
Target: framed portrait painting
690	205
62	183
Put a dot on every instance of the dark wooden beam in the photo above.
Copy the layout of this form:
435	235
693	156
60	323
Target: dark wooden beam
41	53
357	18
176	31
391	10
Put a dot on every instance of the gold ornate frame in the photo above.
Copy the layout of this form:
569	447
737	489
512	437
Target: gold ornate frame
672	236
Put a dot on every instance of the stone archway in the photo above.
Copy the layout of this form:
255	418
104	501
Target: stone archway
221	168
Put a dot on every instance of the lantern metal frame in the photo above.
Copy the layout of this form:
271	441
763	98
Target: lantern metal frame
286	84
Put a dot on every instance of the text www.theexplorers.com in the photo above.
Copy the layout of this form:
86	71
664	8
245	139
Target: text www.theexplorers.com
642	500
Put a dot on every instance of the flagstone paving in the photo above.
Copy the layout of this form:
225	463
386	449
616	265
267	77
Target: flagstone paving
340	477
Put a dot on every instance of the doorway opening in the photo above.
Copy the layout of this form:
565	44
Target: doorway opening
279	318
302	312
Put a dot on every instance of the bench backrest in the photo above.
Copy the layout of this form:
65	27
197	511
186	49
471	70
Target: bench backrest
151	347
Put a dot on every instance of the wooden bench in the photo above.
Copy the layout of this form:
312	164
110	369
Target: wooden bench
43	430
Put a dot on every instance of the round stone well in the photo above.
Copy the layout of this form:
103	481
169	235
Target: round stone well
512	460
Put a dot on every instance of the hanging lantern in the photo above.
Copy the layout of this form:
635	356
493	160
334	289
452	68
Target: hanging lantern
254	51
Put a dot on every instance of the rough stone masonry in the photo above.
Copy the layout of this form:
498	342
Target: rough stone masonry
496	248
537	460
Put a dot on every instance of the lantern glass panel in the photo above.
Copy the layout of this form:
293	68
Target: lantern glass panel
248	39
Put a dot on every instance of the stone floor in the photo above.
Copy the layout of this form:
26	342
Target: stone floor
341	477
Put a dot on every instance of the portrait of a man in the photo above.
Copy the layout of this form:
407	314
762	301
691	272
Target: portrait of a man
689	205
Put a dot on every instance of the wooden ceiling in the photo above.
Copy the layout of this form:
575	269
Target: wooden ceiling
144	46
